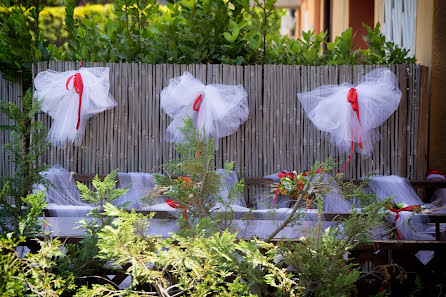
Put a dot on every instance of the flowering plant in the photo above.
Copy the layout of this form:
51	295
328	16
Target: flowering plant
292	184
184	182
191	182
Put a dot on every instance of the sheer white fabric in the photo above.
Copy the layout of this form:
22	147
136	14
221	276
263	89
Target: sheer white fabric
223	107
327	107
140	184
237	203
335	200
396	186
439	197
410	226
63	189
62	196
269	217
62	104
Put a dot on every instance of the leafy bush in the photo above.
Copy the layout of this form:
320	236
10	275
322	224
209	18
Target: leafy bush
81	260
184	32
52	19
192	182
319	258
21	45
26	144
199	262
381	51
30	275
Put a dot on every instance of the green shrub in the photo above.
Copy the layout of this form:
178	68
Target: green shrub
30	275
183	32
200	262
26	144
192	181
81	260
52	20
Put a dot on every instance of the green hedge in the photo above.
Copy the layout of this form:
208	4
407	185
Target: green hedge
52	19
188	31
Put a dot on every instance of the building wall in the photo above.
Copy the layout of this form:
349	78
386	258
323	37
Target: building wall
437	137
339	17
361	11
309	16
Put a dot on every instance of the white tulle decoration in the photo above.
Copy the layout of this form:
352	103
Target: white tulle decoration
139	184
439	197
227	203
328	108
60	93
219	109
63	189
409	225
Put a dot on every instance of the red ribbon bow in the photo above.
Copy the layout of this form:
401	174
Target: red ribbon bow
352	98
174	204
197	103
397	215
78	86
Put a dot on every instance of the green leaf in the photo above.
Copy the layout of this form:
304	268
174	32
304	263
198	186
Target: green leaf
38	55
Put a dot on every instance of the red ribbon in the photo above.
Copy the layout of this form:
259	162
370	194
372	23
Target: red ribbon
397	216
434	171
197	103
174	204
78	86
352	98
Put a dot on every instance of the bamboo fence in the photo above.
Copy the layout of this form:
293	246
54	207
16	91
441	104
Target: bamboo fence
277	136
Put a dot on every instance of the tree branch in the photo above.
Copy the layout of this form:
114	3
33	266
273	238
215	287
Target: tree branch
293	211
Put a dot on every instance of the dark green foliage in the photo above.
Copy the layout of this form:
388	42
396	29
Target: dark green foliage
21	43
342	50
381	51
81	260
186	32
26	144
318	258
192	180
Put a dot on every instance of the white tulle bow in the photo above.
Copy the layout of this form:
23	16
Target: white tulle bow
71	98
218	109
330	111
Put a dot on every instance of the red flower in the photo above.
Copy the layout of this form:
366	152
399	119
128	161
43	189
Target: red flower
187	182
308	202
283	174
